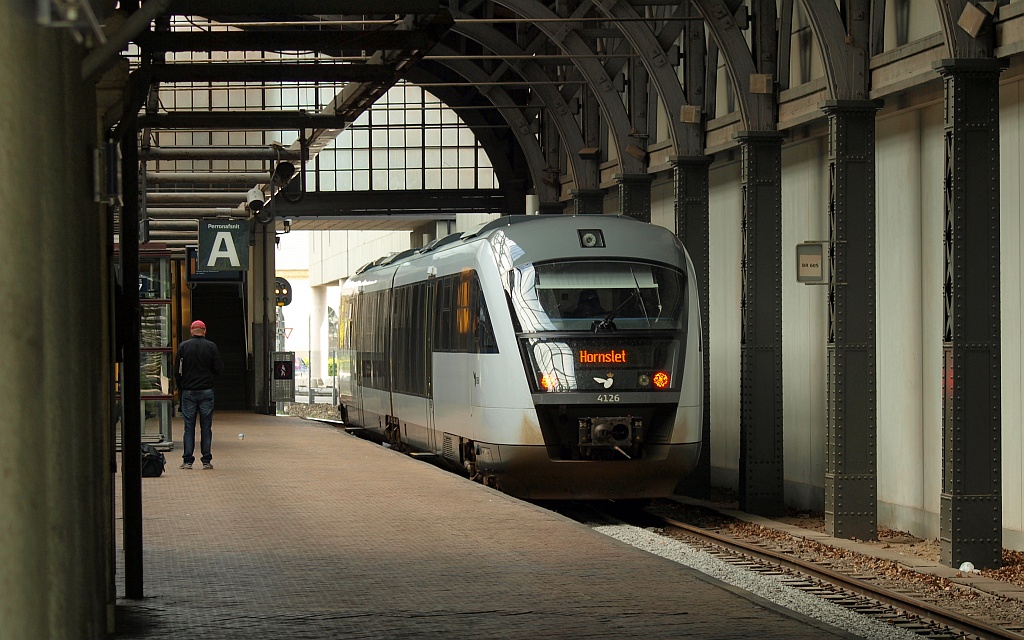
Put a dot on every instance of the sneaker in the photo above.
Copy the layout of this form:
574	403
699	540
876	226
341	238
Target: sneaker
185	465
206	465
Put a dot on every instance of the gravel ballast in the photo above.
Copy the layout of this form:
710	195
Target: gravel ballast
760	585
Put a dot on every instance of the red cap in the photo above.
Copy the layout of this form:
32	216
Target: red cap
198	324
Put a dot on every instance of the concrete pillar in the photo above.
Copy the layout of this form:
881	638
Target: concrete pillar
318	333
55	382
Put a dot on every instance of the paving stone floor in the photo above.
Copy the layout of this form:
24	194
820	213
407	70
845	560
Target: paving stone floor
303	531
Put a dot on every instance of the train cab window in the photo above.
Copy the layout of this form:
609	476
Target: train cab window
574	295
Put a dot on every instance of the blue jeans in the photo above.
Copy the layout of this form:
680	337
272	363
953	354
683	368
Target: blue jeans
191	401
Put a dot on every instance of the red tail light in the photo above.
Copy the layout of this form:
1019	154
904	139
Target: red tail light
661	380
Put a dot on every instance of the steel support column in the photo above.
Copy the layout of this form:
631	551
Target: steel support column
970	525
588	201
692	196
851	487
761	470
551	208
263	314
635	195
515	196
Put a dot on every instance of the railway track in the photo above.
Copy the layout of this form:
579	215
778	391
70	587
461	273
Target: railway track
853	592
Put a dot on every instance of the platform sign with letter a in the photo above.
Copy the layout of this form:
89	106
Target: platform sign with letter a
283	379
223	245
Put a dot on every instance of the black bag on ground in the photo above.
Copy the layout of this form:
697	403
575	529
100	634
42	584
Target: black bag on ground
153	461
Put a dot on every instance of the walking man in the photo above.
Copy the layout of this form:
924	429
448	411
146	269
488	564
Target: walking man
198	362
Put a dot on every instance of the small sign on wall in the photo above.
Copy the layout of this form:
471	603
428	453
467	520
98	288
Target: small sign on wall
283	381
812	263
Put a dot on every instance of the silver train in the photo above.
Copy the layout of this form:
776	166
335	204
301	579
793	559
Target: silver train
551	357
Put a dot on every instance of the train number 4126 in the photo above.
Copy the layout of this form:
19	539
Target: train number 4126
608	397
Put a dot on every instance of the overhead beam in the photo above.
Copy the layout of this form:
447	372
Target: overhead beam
182	177
292	40
269	8
195	212
254	120
388	203
271	72
219	153
177	197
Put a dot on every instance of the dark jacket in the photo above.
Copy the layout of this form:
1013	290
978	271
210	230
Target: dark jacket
198	362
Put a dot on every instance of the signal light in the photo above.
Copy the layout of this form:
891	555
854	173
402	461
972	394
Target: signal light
282	292
661	380
547	382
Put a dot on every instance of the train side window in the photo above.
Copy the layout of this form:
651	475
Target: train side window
399	339
415	359
365	338
464	313
381	368
443	328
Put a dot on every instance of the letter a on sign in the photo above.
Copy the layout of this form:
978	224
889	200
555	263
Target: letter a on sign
223	245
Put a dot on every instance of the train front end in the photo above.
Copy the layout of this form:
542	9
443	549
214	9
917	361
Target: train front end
608	333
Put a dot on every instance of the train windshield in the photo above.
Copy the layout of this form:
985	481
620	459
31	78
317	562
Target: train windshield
597	296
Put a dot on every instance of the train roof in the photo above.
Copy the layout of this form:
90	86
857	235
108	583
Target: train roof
545	237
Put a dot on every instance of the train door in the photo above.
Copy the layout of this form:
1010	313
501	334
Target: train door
359	358
372	366
451	365
427	341
408	356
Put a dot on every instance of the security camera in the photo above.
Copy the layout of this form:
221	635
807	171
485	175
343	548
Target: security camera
254	199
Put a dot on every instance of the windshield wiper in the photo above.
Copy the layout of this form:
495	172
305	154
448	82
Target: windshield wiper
607	324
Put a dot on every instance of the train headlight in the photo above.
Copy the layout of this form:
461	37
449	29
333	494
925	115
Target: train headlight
643	380
661	380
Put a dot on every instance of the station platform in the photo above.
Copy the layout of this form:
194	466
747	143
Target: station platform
304	531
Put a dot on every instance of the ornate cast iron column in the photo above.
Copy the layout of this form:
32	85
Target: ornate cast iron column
851	494
692	210
761	470
971	508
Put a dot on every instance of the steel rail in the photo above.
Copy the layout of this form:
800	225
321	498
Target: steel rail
883	595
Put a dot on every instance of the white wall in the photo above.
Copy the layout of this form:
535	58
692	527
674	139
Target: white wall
900	320
302	316
724	329
1011	150
335	255
804	325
